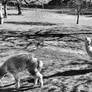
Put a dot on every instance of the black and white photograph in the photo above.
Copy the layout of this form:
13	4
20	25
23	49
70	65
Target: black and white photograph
45	45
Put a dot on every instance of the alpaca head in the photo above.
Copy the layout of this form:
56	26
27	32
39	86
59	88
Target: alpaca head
88	40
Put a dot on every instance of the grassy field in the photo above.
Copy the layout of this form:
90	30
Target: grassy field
54	38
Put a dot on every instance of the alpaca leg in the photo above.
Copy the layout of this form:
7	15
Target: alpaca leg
36	81
40	78
17	81
1	84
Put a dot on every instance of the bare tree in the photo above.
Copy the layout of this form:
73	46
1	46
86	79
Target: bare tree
78	3
4	3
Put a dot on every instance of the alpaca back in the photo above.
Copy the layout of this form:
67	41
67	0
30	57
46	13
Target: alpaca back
16	63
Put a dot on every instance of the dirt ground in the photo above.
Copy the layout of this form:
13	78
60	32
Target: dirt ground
55	39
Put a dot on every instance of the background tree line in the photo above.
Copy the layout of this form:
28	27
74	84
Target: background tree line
53	3
76	4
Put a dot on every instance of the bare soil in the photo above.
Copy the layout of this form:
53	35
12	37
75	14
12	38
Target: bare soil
55	39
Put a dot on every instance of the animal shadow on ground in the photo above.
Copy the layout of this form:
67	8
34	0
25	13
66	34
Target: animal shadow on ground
7	88
73	72
30	23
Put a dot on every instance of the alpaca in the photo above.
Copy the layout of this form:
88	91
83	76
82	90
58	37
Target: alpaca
19	63
88	46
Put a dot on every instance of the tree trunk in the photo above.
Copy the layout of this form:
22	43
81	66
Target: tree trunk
42	5
5	10
78	13
4	3
89	3
19	7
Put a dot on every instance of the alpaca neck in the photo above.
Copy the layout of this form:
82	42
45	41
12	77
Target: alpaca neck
88	49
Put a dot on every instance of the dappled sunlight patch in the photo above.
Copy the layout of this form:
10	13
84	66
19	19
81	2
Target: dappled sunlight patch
65	50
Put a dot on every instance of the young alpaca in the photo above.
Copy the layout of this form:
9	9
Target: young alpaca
88	46
19	63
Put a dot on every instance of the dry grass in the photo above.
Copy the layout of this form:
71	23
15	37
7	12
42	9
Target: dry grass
67	67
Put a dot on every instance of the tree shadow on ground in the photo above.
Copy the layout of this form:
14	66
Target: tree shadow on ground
13	14
81	62
73	72
17	90
69	73
74	12
54	33
89	15
31	23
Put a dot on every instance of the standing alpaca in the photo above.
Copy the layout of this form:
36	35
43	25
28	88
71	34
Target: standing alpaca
19	63
88	46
